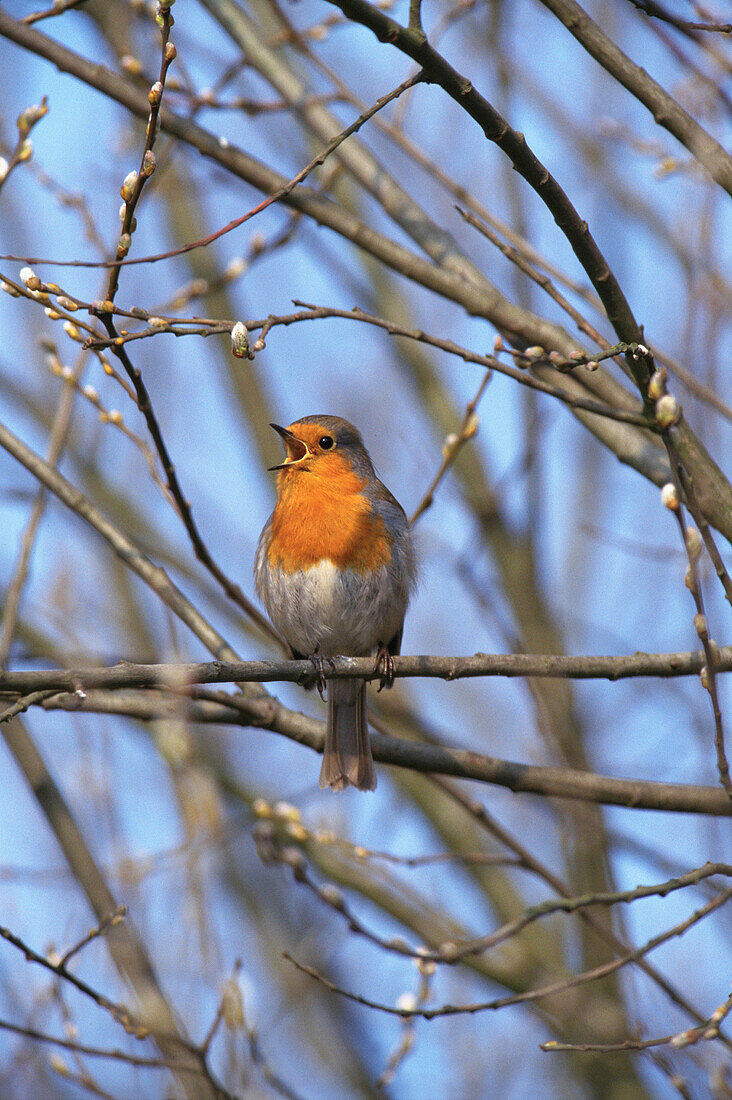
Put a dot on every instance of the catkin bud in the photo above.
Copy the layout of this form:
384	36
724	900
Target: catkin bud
693	542
670	496
657	384
29	277
128	186
332	895
667	411
232	1005
471	428
240	341
30	116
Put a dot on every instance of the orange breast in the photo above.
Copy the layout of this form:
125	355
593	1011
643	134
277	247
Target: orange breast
326	516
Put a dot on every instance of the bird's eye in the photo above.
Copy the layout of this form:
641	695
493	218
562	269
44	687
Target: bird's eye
326	442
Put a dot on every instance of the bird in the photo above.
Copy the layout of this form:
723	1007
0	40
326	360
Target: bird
335	568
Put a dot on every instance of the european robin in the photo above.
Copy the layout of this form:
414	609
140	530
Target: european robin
335	568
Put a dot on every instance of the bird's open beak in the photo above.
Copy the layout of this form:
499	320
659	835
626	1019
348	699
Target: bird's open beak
296	449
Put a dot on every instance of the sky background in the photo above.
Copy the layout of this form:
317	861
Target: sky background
608	553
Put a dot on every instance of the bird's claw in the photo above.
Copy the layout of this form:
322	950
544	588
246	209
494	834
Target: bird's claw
384	667
319	664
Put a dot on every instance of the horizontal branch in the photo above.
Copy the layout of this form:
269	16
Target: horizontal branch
124	674
218	708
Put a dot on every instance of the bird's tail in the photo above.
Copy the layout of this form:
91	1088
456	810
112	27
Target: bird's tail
347	756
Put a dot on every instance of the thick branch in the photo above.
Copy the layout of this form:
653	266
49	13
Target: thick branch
664	108
664	665
217	708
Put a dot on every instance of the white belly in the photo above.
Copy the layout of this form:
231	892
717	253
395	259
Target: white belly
333	612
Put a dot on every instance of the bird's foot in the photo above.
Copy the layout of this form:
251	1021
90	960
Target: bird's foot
318	680
384	667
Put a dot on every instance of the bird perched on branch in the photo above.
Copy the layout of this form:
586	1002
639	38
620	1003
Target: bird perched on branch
335	568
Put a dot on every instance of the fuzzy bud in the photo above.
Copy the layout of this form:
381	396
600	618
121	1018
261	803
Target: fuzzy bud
232	1005
131	64
170	52
4	168
471	428
498	344
66	303
240	341
235	267
30	116
91	394
155	94
295	859
667	411
592	364
285	811
700	624
9	289
332	895
657	384
407	1003
26	151
704	677
535	352
297	831
148	163
448	447
123	245
158	322
693	542
52	314
73	332
128	186
29	277
670	496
